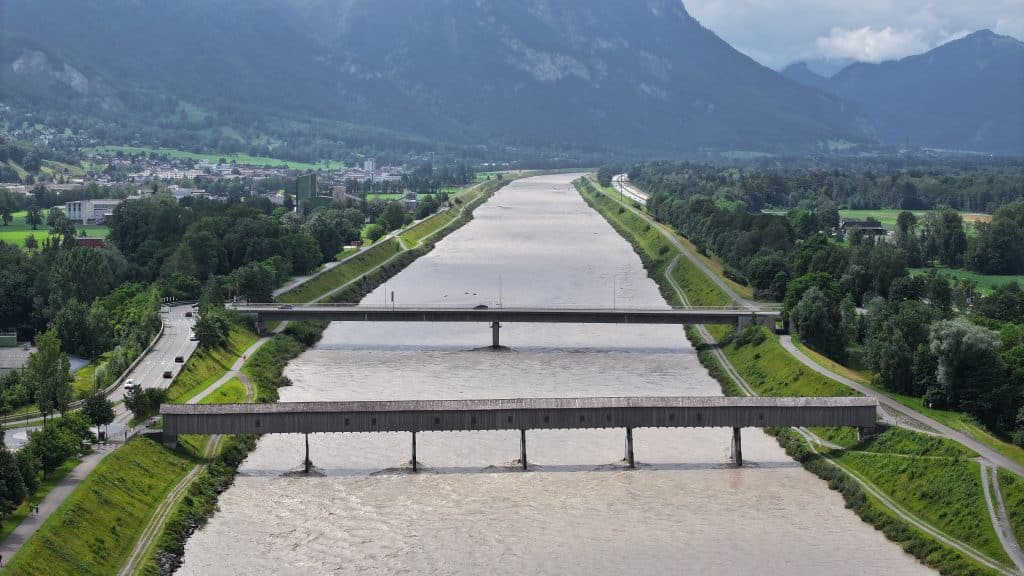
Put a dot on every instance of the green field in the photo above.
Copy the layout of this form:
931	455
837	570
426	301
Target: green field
986	282
17	231
242	159
888	217
95	529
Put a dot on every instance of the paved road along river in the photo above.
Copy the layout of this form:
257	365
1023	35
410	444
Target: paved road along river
686	510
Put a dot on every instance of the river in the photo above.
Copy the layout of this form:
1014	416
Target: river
685	510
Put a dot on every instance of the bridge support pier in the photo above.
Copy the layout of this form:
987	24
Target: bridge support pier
737	447
495	327
629	448
868	433
522	447
168	440
306	463
415	467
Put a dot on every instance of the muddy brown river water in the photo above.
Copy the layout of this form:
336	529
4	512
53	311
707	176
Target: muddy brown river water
685	510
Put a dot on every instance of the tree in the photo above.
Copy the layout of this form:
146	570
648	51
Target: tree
28	465
6	215
34	216
375	232
968	367
48	371
30	242
817	319
98	409
212	329
53	217
892	344
145	402
52	445
393	217
12	486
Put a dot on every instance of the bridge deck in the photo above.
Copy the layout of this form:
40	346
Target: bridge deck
542	315
516	414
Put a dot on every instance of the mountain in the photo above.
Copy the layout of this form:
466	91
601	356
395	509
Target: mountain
801	73
621	75
963	95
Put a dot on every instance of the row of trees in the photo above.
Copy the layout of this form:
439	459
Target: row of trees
968	187
855	301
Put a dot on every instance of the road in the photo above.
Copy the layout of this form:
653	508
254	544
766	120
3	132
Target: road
149	373
174	342
621	183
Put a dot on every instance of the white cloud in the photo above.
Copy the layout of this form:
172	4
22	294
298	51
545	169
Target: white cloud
868	45
778	32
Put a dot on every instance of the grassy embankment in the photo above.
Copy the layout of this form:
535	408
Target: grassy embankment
96	527
206	366
1012	487
771	371
242	159
319	286
16	232
959	421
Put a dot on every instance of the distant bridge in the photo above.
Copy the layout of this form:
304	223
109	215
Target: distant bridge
518	414
495	316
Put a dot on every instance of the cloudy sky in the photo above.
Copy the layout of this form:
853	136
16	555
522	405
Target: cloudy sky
778	32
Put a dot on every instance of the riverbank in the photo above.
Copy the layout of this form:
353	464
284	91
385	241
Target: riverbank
349	283
89	551
759	359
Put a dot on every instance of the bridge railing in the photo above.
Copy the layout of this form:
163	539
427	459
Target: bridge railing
348	306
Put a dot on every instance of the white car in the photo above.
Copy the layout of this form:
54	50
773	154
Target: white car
130	384
192	336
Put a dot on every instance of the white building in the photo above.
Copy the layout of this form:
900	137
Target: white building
369	165
90	211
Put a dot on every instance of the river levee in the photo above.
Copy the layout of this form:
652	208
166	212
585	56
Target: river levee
685	510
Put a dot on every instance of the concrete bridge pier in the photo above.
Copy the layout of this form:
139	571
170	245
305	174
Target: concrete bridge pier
522	447
415	467
495	327
737	447
306	463
629	448
867	433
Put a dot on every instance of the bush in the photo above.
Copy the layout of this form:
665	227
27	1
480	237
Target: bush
145	402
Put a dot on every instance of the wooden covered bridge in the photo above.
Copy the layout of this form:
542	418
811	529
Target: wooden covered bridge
518	414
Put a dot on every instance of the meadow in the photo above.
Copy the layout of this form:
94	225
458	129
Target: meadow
16	232
242	159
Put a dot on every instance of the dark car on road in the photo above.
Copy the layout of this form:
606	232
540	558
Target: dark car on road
167	374
179	359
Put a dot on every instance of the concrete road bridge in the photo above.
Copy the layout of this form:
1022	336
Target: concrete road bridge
496	316
521	414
